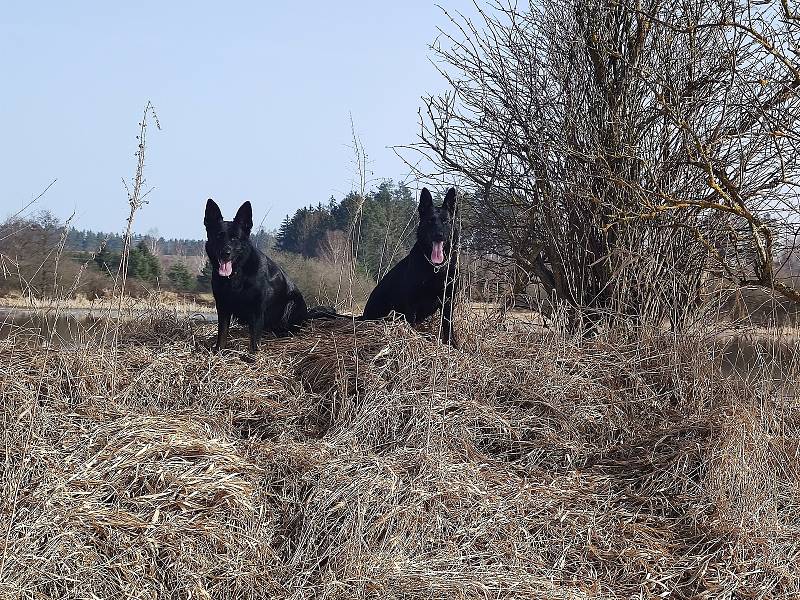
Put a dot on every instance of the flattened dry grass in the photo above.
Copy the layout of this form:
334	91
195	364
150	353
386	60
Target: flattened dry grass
363	460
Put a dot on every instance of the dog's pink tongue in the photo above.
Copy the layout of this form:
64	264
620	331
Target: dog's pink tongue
226	268
437	254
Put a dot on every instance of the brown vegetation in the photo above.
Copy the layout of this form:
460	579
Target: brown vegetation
366	461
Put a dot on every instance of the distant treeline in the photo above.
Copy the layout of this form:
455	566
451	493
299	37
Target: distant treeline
85	240
378	229
317	245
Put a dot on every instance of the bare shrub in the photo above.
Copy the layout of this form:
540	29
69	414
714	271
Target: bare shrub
320	280
621	153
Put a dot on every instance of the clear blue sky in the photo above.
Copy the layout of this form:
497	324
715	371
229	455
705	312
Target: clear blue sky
254	102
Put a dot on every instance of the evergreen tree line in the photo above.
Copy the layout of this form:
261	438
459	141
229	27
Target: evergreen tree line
377	232
85	240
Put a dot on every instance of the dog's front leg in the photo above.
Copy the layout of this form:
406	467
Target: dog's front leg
448	337
256	327
223	324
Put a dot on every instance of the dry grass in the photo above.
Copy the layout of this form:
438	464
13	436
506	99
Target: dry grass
184	304
366	461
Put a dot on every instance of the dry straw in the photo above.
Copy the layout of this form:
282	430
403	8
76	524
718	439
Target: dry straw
363	460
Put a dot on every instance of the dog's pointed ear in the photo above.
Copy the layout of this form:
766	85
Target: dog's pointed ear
425	202
213	215
244	217
450	201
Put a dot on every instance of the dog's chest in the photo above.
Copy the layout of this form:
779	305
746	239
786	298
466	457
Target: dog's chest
426	280
425	292
237	296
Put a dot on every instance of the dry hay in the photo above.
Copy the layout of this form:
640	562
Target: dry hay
363	460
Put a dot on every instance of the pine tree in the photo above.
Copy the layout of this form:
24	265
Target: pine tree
180	278
143	264
107	261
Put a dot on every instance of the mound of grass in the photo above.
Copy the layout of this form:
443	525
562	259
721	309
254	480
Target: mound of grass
363	460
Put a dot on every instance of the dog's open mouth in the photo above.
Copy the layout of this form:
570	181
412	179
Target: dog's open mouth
437	254
225	268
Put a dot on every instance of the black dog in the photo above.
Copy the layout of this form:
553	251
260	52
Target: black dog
246	283
425	280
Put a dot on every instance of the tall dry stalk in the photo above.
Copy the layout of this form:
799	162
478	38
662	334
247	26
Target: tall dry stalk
137	198
354	229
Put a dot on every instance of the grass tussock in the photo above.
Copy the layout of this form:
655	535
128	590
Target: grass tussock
363	460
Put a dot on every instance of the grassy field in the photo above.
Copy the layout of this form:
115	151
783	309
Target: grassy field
367	461
182	303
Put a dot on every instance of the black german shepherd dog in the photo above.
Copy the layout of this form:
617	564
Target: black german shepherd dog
426	279
246	283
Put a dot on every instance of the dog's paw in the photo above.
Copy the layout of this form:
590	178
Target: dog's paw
248	358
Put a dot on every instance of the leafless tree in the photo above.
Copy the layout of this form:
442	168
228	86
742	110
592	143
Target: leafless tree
617	151
336	248
32	246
